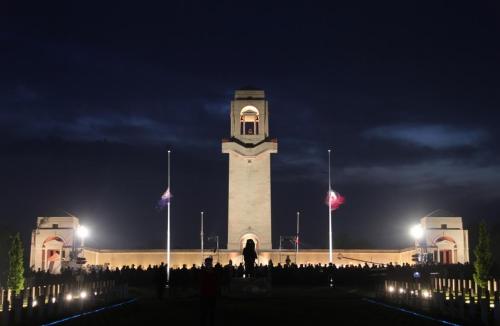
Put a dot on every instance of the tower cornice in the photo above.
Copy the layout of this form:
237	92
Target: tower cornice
244	149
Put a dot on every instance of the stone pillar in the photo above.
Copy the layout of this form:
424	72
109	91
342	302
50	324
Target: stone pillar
30	303
60	302
50	304
18	306
5	307
41	303
461	307
484	304
496	311
472	306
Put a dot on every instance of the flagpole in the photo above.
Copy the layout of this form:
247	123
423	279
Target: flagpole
297	237
168	224
218	255
201	237
330	208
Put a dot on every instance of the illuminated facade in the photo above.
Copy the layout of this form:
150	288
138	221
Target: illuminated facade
445	238
249	215
249	150
52	242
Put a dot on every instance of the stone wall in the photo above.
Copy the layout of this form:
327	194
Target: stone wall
119	258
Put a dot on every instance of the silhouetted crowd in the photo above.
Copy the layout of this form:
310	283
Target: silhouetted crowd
288	274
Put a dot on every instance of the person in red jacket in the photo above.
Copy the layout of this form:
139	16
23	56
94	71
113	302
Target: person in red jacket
208	293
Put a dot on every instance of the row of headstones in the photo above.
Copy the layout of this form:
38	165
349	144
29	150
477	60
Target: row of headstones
456	287
475	306
48	302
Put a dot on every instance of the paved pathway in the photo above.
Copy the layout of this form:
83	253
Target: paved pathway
284	307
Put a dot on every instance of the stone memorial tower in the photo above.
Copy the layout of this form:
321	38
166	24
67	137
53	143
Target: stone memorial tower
249	149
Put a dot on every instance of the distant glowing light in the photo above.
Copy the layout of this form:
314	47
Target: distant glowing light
35	303
82	232
401	290
83	294
53	299
426	294
391	289
417	232
69	297
334	200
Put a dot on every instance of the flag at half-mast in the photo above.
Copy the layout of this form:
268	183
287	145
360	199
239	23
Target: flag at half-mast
165	199
334	200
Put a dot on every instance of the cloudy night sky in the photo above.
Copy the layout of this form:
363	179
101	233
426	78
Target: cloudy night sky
406	94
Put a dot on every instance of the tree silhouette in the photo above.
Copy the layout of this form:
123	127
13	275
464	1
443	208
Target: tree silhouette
15	279
484	260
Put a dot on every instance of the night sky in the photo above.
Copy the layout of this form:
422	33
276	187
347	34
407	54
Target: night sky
92	95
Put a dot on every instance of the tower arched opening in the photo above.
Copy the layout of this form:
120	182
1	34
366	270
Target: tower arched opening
249	120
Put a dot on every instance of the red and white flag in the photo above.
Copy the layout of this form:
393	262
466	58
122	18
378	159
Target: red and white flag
334	200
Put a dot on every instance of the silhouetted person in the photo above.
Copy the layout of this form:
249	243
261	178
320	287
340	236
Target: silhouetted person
161	281
208	293
249	256
240	271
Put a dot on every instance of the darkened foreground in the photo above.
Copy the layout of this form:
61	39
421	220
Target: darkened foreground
279	289
286	306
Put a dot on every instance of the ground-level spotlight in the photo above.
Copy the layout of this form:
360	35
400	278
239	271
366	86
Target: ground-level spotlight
401	290
391	289
34	303
426	294
82	231
95	293
53	299
417	232
331	282
83	294
69	297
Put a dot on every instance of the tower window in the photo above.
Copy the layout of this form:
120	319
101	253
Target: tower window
249	119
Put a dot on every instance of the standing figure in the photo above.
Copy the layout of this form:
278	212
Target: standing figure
208	293
249	255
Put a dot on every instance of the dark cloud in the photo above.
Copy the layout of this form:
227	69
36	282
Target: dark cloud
405	95
433	136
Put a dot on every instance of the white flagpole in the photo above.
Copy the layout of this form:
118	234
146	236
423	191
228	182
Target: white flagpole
218	255
168	224
201	236
297	237
330	209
